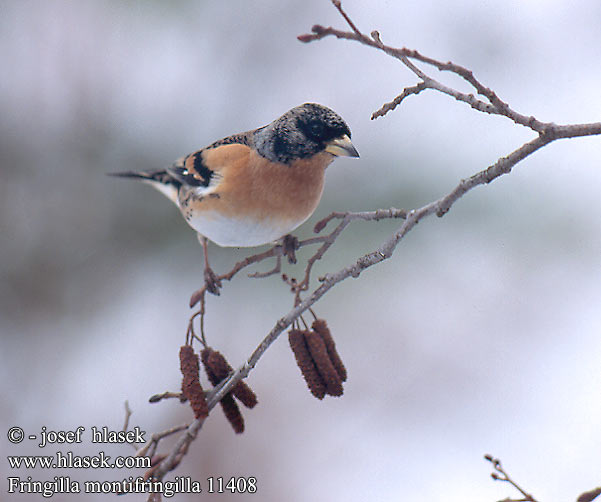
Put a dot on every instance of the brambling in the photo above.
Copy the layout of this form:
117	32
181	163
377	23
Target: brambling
255	187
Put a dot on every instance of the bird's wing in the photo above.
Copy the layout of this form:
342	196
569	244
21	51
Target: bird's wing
201	169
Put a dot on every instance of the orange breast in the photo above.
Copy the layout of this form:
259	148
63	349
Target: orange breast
256	188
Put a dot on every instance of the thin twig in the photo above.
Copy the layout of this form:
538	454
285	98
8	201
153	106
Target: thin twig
495	104
500	474
165	395
156	437
338	5
275	270
128	414
388	107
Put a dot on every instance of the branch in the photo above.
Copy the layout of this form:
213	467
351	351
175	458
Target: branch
495	105
151	445
547	132
500	474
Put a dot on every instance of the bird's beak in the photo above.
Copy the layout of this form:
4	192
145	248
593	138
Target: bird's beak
342	147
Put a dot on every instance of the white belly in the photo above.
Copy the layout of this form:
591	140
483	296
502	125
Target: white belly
228	232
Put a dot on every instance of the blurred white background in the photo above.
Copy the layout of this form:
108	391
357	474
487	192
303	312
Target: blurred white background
481	335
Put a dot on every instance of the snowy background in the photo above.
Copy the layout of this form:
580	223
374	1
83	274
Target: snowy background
481	335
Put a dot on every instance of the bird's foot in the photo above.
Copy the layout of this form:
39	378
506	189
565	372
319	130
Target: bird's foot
289	246
212	282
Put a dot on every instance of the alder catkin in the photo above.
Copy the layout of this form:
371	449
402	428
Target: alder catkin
204	357
305	362
319	353
232	413
320	326
217	370
219	366
245	394
191	388
221	369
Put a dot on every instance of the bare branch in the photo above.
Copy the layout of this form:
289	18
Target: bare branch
500	474
338	5
494	106
165	395
128	414
407	91
547	132
153	442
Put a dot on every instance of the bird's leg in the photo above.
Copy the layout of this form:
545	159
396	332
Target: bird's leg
212	282
290	245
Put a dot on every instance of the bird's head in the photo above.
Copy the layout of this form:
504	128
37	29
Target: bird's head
304	131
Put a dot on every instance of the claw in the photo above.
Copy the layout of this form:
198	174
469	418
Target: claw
212	282
290	245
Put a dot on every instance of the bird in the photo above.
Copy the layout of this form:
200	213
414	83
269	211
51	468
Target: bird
255	187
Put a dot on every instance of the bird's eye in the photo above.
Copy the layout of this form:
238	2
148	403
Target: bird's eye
314	130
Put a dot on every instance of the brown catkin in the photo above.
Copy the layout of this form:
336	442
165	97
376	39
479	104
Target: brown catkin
220	368
321	327
304	361
241	390
204	357
232	413
219	365
245	394
589	496
191	388
318	351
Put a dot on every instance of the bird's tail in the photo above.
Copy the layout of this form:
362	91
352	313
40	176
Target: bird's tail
161	180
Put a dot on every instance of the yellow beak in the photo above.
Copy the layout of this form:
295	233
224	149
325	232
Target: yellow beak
342	147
